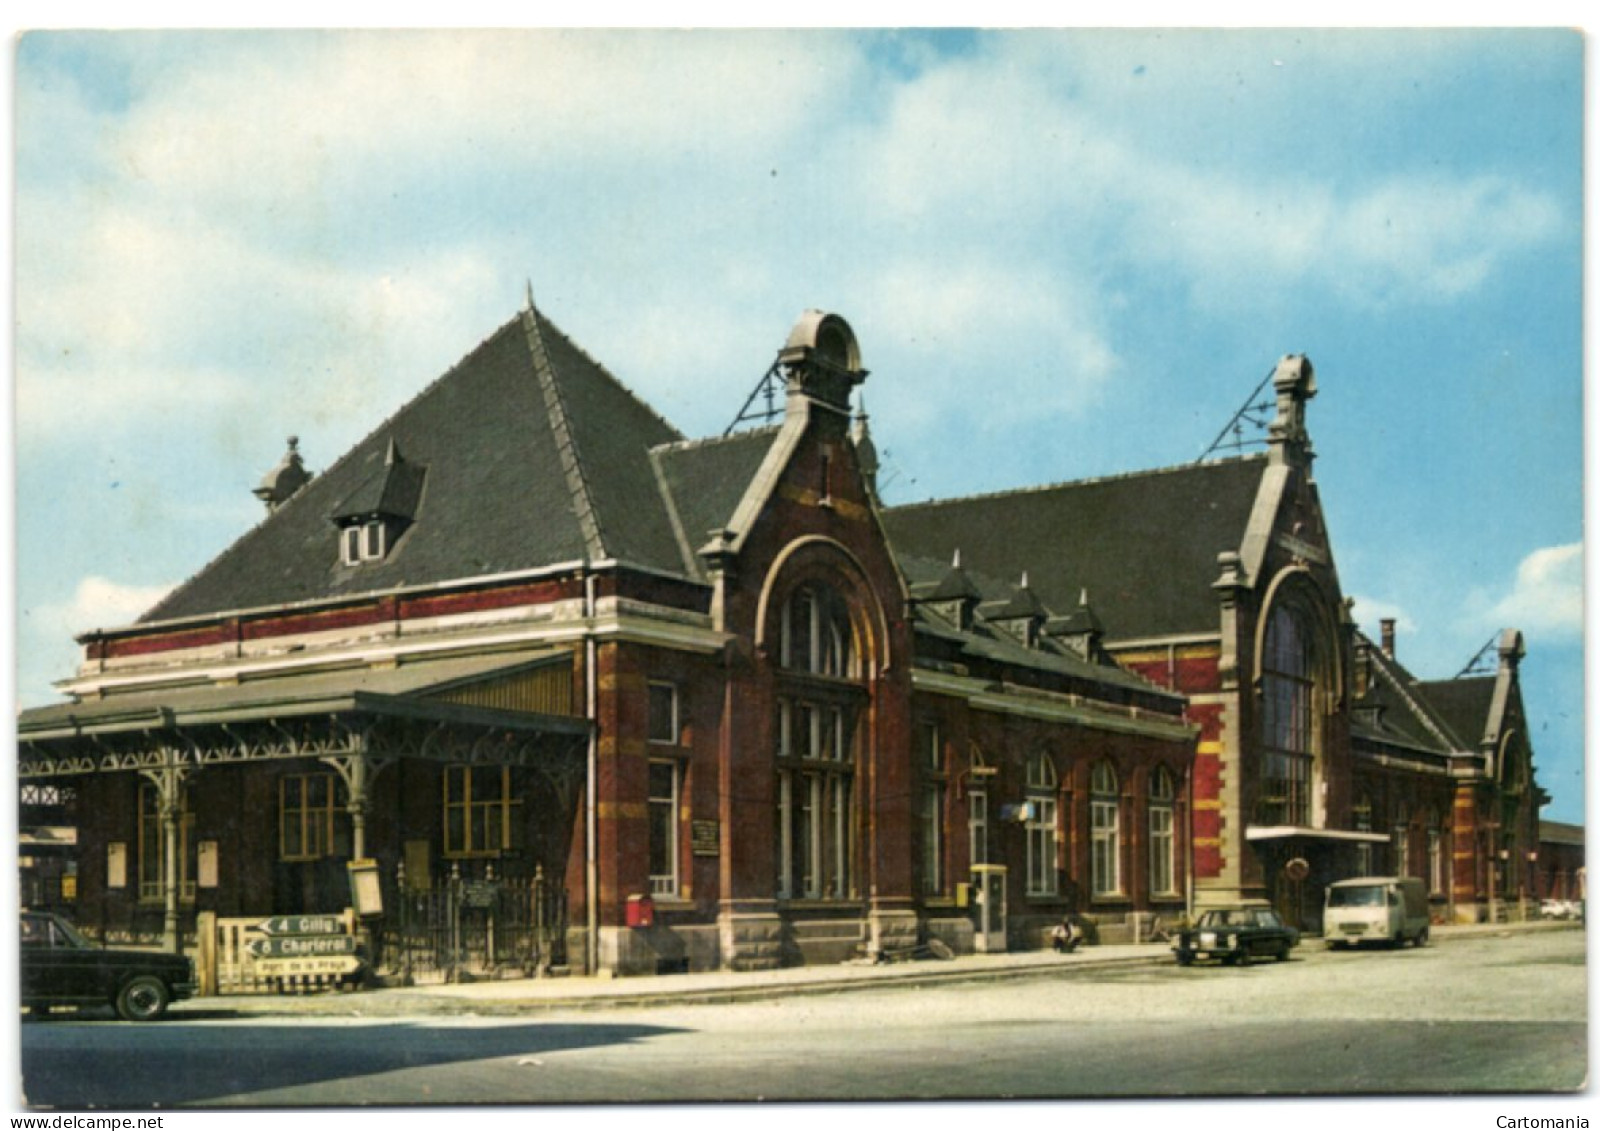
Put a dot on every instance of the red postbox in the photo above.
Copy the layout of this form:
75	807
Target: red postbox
641	911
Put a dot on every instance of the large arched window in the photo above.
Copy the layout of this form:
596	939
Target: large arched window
1041	825
1288	720
816	633
1105	830
1163	846
819	702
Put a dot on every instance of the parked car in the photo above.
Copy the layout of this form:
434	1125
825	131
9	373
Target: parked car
61	967
1236	935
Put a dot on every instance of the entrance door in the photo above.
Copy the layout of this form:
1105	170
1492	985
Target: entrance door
989	908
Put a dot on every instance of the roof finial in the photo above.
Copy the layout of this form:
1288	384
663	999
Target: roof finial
530	294
1024	579
955	562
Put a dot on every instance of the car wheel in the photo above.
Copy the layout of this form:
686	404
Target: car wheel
143	999
1421	939
1283	953
1243	958
1185	960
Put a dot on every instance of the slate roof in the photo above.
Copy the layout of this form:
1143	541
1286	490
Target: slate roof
530	454
1464	704
1144	546
1396	710
986	643
707	479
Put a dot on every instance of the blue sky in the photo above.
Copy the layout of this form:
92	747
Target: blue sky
1066	254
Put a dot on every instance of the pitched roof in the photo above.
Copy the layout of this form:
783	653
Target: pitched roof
1143	546
705	480
529	454
1395	710
1464	704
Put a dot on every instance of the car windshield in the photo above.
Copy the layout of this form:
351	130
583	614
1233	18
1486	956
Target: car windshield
1355	897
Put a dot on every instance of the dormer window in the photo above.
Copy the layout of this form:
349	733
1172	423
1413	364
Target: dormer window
372	518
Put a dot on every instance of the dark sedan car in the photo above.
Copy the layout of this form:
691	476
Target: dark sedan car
61	967
1236	935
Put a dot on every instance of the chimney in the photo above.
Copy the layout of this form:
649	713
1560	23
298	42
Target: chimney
280	484
1386	630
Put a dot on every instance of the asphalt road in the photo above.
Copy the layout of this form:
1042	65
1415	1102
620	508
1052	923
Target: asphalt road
1498	1014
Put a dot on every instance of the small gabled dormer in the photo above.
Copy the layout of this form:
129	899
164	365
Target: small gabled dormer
955	598
372	518
1022	616
1081	631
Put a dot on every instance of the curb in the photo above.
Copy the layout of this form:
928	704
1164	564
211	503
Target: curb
597	995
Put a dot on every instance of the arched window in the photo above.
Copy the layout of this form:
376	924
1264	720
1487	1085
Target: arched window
1163	846
1105	868
1400	840
1362	817
816	633
818	706
1287	721
1041	825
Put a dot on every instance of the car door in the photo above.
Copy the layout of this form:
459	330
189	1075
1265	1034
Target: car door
64	969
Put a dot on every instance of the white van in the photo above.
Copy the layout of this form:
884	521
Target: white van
1376	909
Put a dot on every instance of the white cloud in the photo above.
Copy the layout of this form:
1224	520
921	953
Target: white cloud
1370	612
1547	598
97	602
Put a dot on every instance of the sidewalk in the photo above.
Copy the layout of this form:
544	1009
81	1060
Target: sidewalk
525	995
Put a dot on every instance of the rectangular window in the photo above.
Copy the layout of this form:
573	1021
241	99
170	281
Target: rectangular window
306	806
664	722
978	826
1162	878
153	847
479	811
932	821
372	547
1105	844
931	809
1041	835
350	542
665	786
1438	878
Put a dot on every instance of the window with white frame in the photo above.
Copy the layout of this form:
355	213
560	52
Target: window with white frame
364	541
1400	842
1105	831
665	804
1362	817
977	810
665	723
1163	845
1438	872
816	633
1040	825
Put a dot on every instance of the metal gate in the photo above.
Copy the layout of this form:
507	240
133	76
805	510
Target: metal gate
459	925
